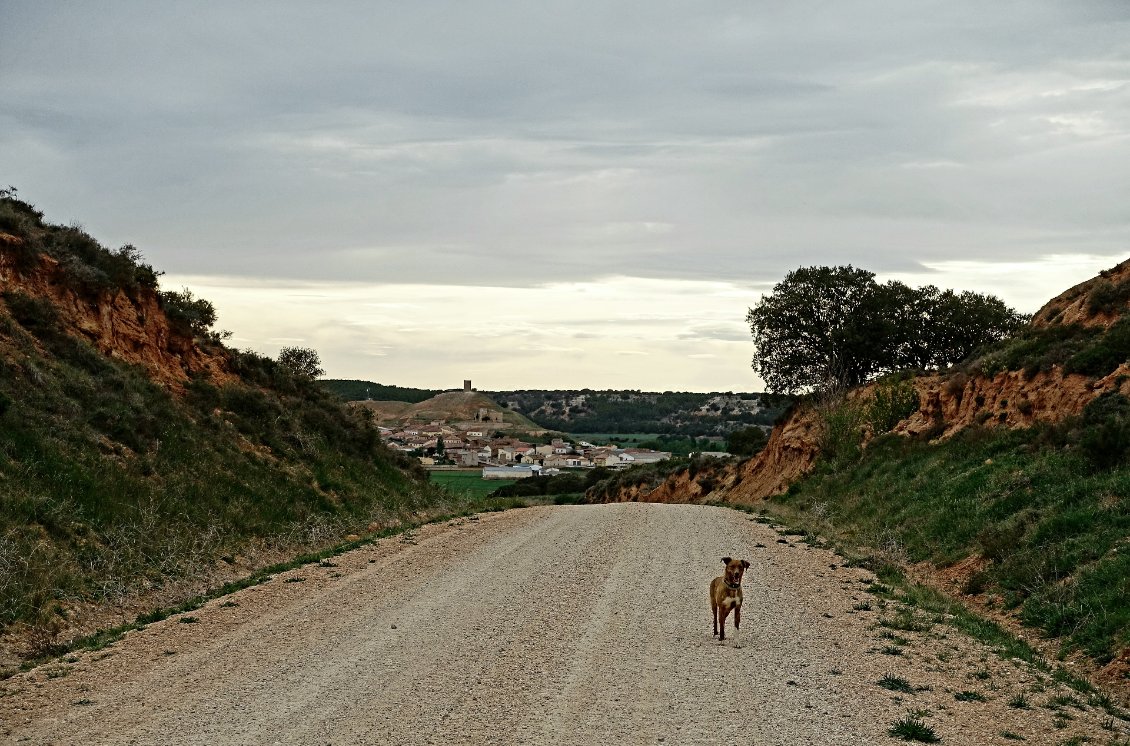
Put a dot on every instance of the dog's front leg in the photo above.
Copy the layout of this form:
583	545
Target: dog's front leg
737	617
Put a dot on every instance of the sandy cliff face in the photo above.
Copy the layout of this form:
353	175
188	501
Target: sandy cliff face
1008	399
132	328
790	454
1075	305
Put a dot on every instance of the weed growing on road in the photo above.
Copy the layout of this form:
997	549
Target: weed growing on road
896	684
1012	736
968	696
1019	702
912	728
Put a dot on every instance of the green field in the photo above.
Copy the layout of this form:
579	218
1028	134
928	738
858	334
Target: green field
621	439
466	482
676	444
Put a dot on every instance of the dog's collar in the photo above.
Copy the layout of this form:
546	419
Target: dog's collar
737	587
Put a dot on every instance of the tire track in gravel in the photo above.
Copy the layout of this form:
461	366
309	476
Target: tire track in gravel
563	625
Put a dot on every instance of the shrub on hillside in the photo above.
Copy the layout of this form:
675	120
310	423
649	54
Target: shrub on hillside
191	314
1037	350
747	441
1106	430
1105	353
16	216
1108	297
36	315
893	401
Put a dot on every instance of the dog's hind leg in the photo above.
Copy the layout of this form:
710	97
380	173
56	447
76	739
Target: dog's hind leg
714	616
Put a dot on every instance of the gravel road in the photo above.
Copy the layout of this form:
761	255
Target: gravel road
557	625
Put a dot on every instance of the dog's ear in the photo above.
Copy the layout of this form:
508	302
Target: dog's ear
725	560
745	564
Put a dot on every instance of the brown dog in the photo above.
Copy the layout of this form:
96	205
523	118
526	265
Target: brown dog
726	596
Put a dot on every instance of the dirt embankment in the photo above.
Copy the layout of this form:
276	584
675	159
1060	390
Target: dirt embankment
556	625
131	327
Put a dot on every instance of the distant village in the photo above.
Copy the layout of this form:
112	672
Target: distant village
505	457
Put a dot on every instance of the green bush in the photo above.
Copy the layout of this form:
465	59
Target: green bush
1108	297
893	402
1106	430
842	434
1104	354
37	315
191	314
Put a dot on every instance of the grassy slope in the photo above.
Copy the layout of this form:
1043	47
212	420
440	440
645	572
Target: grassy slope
1052	527
469	483
110	482
110	485
1045	510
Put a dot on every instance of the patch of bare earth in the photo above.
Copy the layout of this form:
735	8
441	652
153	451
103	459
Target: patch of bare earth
561	625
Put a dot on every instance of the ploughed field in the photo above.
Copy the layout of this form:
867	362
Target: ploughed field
550	625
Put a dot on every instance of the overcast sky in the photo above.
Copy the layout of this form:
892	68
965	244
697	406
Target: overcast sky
569	194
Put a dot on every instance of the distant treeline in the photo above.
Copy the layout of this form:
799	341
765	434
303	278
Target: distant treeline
362	390
682	413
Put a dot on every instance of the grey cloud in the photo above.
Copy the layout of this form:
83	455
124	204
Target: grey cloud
723	334
497	143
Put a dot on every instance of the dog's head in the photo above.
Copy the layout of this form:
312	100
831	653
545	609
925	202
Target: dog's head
734	570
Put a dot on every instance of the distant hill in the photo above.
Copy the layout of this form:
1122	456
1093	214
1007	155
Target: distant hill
610	411
465	409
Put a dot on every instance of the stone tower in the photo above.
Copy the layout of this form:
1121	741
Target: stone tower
467	385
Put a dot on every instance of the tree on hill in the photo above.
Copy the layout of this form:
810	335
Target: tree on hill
747	441
185	309
302	361
828	327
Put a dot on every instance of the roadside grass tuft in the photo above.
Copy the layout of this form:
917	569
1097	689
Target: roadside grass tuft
970	696
896	684
911	728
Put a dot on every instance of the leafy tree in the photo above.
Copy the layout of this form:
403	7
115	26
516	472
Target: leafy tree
820	327
824	328
746	442
302	361
184	308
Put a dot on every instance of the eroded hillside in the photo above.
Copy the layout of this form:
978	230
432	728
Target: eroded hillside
140	457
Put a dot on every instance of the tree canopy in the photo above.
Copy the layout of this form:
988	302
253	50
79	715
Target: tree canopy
302	361
824	327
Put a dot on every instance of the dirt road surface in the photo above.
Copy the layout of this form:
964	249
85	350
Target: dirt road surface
562	625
